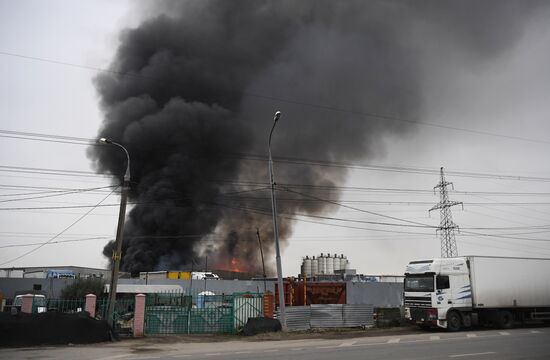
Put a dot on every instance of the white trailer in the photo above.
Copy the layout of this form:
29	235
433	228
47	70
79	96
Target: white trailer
453	293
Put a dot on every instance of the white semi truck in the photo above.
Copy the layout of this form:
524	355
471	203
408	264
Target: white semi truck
455	293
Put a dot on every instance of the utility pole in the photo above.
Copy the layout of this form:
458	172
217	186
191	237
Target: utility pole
262	254
276	230
117	254
446	227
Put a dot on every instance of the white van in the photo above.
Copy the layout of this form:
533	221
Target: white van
39	302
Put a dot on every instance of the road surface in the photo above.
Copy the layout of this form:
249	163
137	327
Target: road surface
526	343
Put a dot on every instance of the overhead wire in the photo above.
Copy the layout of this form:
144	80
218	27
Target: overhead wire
324	107
58	234
58	193
310	162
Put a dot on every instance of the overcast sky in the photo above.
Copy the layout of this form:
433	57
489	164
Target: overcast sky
491	136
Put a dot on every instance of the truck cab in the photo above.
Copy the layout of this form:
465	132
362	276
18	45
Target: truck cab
436	292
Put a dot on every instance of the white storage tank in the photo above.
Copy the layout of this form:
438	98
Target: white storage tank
330	265
322	264
307	267
347	265
314	266
343	260
337	263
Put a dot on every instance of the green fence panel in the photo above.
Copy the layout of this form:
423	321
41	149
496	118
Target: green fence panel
166	320
200	312
59	305
247	305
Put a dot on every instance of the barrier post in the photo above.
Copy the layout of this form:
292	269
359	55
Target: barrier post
139	315
90	304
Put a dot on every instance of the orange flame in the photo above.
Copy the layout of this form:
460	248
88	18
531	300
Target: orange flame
235	265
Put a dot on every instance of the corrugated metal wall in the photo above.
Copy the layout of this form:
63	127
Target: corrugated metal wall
298	317
322	316
379	294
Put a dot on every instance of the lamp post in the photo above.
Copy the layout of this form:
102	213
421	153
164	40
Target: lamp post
117	254
276	229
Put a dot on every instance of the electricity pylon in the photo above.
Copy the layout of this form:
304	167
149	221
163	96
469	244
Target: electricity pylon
446	227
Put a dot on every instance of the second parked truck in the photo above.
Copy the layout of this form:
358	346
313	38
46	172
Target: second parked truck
456	293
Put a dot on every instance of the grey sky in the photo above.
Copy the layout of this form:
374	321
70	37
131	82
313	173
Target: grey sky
507	94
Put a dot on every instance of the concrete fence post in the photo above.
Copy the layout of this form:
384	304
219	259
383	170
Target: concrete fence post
26	304
90	304
139	316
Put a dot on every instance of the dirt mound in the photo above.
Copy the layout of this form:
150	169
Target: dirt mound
51	328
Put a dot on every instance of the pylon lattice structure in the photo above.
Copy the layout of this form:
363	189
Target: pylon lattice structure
446	227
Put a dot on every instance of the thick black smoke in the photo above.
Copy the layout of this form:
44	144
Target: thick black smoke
192	97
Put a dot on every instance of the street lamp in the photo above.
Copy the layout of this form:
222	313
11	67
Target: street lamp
276	229
117	254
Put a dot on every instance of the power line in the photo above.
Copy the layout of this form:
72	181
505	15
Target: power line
310	162
390	202
335	109
42	171
50	136
504	236
160	204
59	234
51	242
48	140
417	224
76	191
211	237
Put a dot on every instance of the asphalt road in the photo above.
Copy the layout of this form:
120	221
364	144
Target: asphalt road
531	343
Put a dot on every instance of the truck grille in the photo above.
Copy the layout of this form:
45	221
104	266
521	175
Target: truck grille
418	301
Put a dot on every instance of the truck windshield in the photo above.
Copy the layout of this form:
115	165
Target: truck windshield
423	283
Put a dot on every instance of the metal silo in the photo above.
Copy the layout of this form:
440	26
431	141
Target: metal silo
337	263
307	267
329	265
314	266
322	264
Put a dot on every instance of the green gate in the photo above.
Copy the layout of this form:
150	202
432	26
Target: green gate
178	313
246	305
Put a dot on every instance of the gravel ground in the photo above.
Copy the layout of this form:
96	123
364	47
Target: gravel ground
277	336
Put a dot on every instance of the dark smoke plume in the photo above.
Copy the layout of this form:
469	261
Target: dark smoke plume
202	83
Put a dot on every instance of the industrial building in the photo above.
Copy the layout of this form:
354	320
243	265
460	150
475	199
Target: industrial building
43	272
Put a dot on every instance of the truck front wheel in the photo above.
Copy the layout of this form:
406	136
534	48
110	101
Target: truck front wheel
505	319
454	322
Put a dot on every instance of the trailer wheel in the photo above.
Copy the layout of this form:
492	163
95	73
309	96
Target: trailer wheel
454	322
505	319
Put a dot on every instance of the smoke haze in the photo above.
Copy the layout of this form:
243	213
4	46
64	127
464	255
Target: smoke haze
204	79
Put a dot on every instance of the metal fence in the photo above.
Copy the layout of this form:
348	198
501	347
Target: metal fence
203	312
245	306
66	305
39	304
123	314
328	316
298	317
